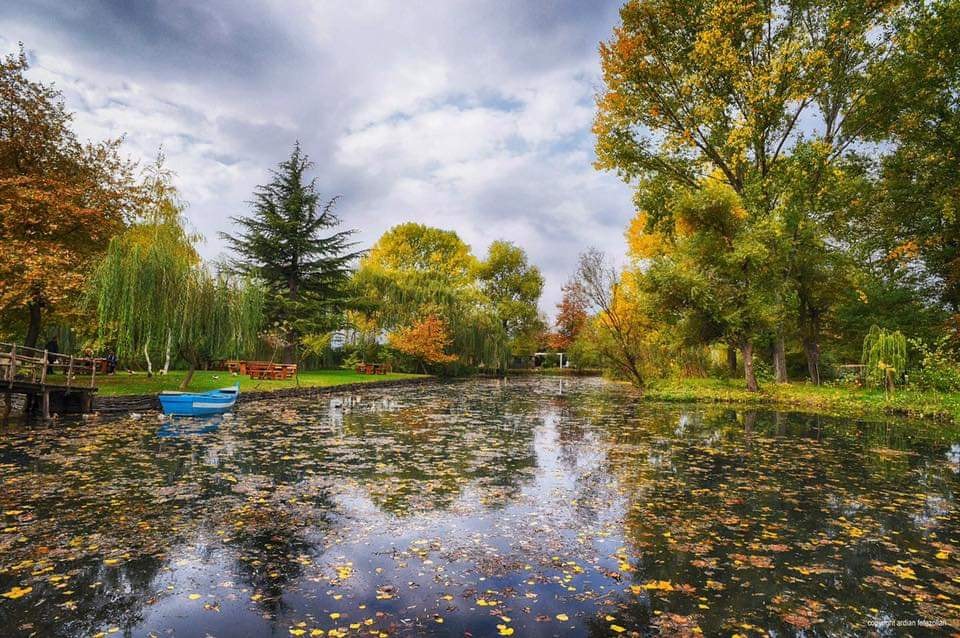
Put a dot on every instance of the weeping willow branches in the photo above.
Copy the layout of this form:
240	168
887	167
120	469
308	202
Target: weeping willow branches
154	296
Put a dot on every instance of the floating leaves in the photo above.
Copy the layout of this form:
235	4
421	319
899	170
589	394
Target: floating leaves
17	592
499	509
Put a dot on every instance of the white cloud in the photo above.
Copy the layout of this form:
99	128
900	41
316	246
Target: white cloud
470	116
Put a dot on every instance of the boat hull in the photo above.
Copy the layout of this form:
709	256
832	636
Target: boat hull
199	404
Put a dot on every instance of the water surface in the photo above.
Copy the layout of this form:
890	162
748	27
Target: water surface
532	507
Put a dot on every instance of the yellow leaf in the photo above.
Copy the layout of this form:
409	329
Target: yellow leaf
618	628
193	596
297	632
17	592
563	617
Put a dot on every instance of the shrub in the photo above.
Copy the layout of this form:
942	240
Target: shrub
885	357
937	368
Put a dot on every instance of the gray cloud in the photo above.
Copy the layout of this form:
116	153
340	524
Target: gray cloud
473	116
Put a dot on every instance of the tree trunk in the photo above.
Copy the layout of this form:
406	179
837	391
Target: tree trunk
779	359
746	349
812	349
146	354
187	379
33	328
166	361
731	360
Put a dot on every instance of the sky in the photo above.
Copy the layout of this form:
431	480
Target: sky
471	116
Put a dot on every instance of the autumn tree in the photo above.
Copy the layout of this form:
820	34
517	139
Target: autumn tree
727	90
285	243
426	341
414	271
60	201
620	325
414	249
571	315
711	278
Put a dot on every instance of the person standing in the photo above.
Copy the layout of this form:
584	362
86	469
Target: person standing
52	348
111	361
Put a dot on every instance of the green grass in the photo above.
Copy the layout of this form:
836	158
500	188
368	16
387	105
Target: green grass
139	383
834	399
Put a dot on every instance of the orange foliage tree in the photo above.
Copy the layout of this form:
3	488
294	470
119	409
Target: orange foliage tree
426	341
60	202
571	316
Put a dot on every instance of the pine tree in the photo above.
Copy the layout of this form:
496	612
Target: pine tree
283	244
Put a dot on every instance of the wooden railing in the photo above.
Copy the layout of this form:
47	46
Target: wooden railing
20	364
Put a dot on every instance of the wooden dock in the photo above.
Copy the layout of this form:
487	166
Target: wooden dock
51	383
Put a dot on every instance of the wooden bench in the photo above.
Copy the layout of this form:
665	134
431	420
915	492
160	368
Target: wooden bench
372	368
267	370
235	366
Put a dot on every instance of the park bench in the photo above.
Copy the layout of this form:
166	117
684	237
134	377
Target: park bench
267	370
235	366
373	368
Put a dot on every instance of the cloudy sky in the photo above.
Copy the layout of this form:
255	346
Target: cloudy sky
473	116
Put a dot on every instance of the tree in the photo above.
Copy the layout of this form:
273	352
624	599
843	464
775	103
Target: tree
728	91
816	224
283	244
884	357
571	315
60	201
138	287
416	249
912	106
219	319
426	341
414	271
513	286
711	277
619	325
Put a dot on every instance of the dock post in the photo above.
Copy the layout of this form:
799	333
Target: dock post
46	405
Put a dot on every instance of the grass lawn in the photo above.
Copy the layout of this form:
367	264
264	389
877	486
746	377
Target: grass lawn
139	383
836	399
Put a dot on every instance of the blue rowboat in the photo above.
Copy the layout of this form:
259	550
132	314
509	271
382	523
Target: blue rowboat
199	403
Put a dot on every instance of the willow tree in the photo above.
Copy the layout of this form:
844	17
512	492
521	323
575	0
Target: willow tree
138	286
884	357
219	318
415	271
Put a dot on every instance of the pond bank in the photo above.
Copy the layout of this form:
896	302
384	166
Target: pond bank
121	403
835	400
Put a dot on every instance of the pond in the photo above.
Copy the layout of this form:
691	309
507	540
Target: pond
530	507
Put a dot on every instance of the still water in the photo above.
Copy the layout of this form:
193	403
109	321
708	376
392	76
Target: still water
532	507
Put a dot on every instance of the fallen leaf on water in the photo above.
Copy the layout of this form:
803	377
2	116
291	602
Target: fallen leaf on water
17	592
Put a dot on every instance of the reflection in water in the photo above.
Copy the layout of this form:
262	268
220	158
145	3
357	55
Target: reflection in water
534	507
